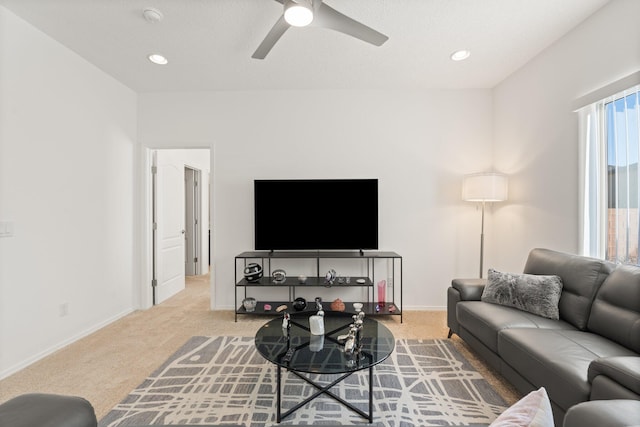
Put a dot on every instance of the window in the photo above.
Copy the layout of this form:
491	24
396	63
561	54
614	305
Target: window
621	124
610	178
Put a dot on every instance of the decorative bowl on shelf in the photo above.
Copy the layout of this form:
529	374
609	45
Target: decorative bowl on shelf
253	272
279	276
357	306
249	304
299	304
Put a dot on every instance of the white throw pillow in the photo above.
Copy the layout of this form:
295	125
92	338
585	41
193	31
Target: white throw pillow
533	410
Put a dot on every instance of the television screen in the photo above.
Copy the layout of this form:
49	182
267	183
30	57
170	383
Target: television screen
317	214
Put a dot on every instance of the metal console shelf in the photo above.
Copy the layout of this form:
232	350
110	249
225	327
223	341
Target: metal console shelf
393	291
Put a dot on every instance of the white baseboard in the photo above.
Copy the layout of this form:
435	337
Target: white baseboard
20	366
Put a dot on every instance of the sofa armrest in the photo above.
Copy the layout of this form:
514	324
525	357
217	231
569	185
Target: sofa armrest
469	289
461	290
47	410
603	413
624	370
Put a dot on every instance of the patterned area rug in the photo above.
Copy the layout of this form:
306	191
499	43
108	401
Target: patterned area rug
223	380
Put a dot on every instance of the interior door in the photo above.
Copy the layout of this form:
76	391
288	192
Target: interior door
169	227
192	208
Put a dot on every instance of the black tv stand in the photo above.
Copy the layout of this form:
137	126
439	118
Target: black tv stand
283	293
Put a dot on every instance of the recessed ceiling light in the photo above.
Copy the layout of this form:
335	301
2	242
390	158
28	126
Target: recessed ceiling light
158	59
460	55
152	15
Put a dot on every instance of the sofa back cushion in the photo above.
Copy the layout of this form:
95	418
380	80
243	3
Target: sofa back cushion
616	309
581	277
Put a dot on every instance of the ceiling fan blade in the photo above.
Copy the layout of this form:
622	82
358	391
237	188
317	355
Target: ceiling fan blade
272	37
328	17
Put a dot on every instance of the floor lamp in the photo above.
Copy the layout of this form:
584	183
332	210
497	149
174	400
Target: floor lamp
486	187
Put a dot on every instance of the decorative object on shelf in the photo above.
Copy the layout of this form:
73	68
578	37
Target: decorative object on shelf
357	306
483	188
360	281
337	305
330	277
392	308
353	340
281	308
253	272
302	279
382	292
249	304
299	304
286	321
279	276
340	280
267	307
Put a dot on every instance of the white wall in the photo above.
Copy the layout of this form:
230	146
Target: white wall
67	147
536	133
418	144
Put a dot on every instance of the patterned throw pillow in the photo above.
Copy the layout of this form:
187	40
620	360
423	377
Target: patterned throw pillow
535	294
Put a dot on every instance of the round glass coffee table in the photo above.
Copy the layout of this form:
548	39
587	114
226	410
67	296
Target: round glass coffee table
323	354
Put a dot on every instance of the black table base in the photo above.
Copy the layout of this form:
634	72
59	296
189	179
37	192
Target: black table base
323	390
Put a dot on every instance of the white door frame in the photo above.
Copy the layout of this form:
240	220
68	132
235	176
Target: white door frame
145	291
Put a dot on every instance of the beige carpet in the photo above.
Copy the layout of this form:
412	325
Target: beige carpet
105	366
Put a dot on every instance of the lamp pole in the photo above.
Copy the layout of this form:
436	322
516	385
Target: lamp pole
482	239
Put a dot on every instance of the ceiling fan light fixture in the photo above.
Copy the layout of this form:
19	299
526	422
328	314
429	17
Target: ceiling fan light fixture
298	13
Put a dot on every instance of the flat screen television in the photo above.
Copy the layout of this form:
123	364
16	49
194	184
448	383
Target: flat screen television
320	214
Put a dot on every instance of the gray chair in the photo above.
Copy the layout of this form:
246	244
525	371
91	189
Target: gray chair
47	410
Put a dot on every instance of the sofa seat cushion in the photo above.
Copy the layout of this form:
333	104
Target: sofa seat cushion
556	359
484	321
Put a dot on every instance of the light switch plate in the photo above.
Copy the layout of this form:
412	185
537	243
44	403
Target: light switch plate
6	228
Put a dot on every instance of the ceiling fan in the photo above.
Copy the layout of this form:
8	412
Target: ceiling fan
300	13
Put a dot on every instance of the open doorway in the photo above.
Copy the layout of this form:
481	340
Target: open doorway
179	219
192	222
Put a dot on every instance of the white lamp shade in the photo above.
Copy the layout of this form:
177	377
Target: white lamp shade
484	187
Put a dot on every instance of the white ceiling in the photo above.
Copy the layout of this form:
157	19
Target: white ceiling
209	43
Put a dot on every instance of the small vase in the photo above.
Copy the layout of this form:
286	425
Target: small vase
382	292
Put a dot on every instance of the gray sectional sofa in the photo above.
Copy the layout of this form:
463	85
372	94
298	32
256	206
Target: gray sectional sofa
592	352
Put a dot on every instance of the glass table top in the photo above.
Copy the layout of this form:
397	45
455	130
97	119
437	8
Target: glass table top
323	354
